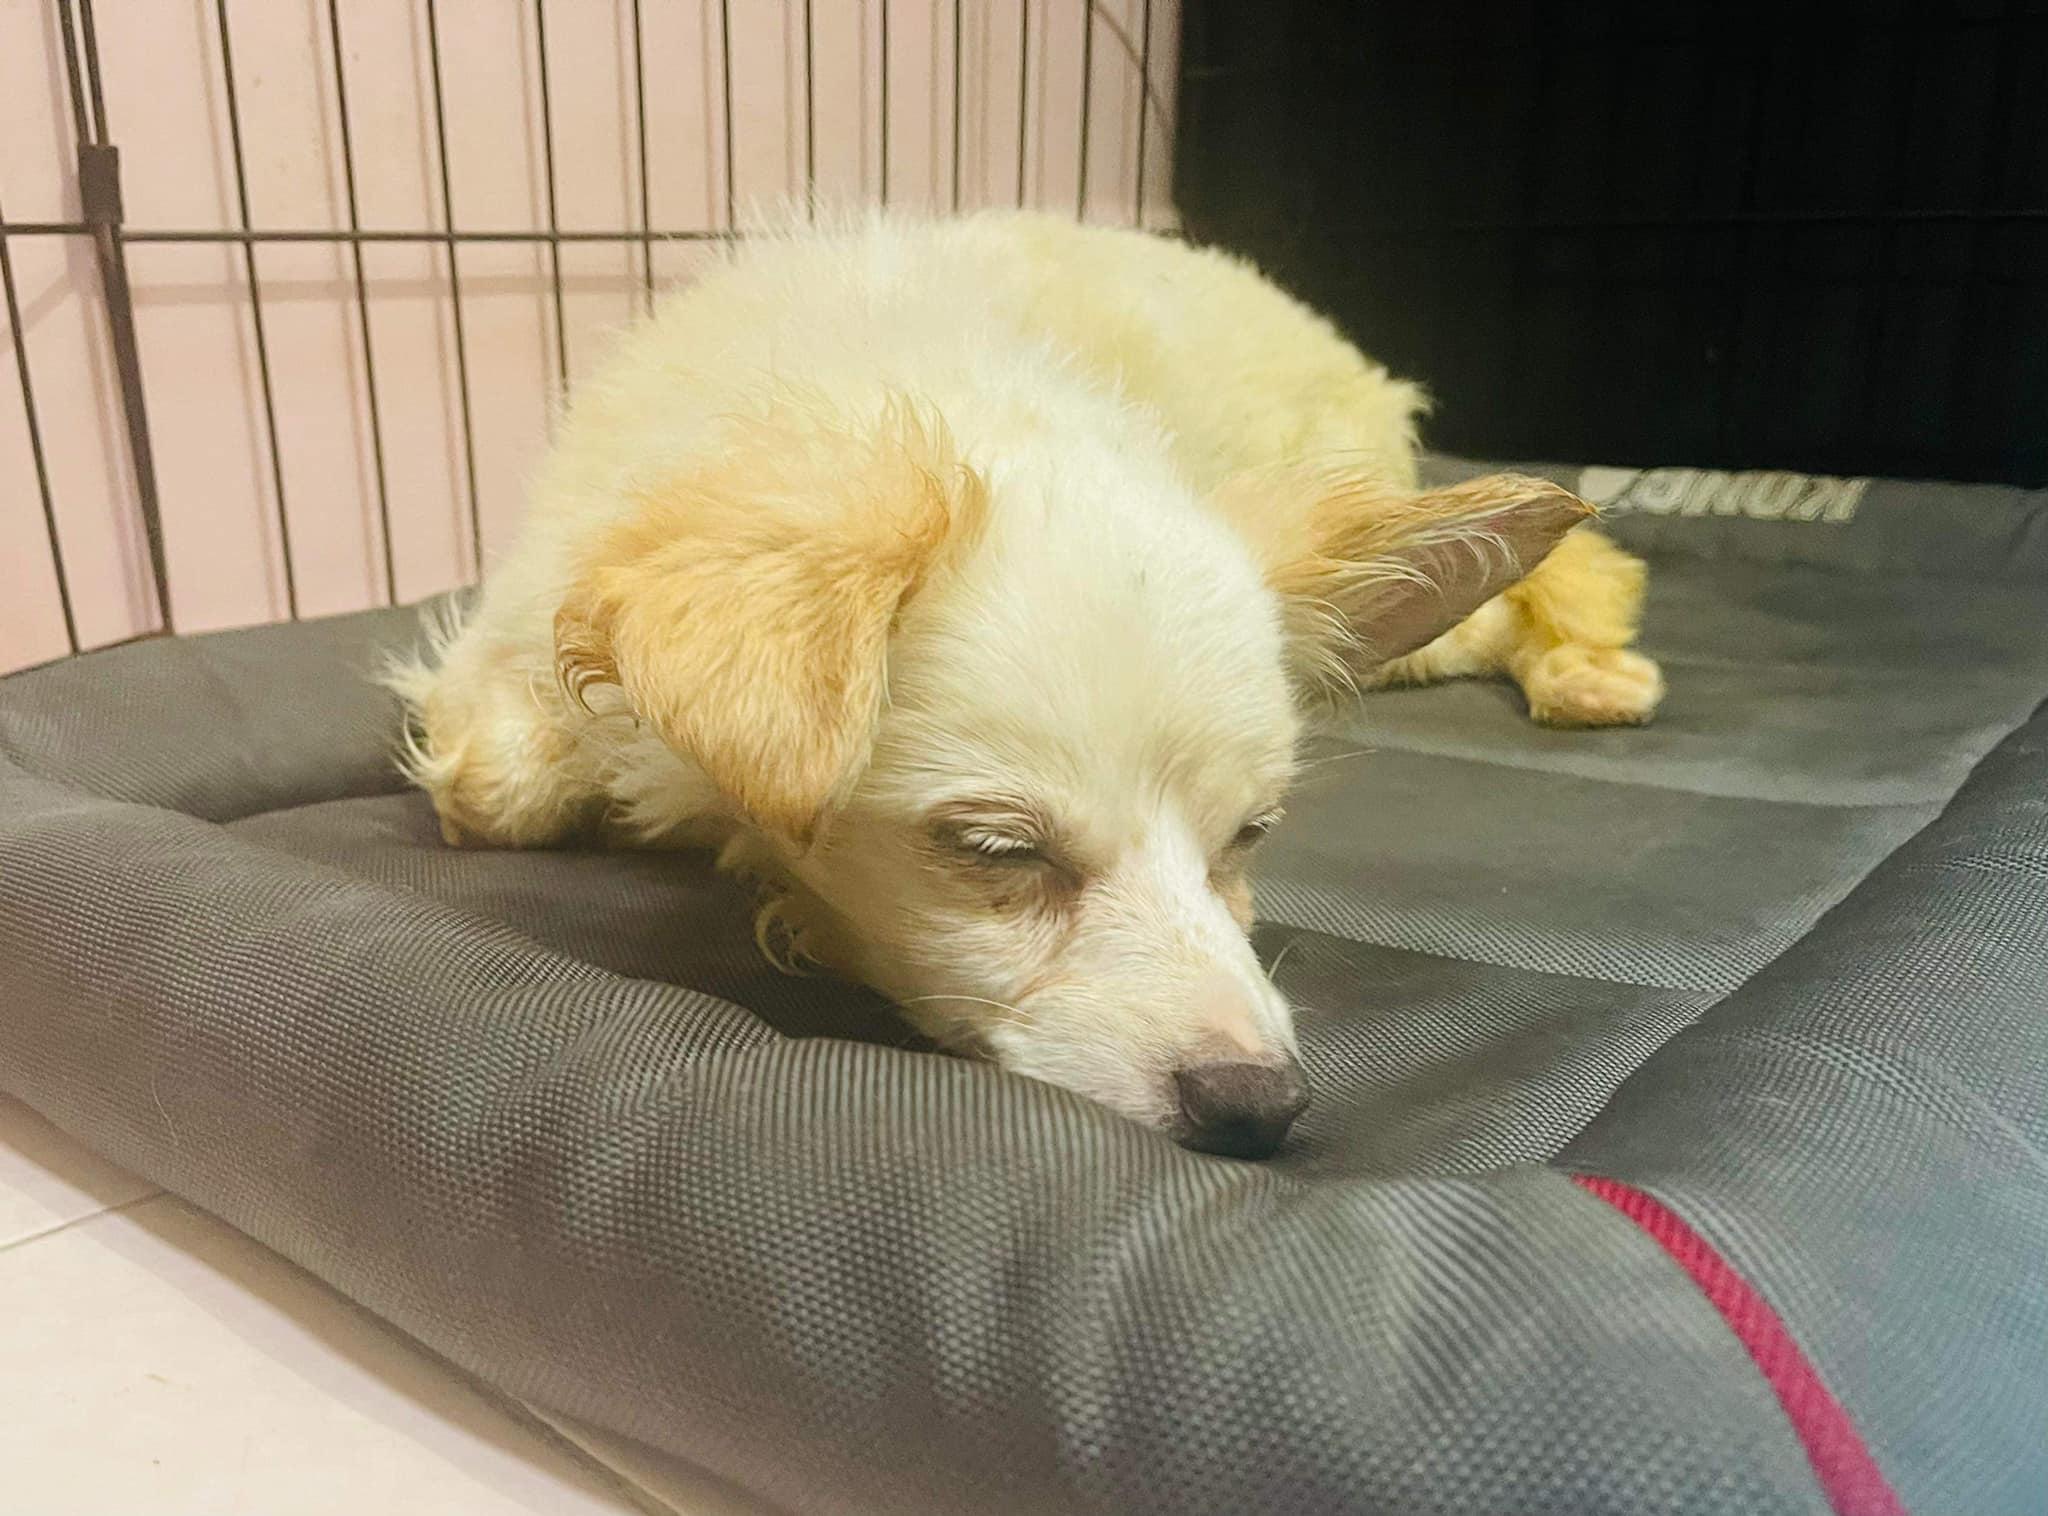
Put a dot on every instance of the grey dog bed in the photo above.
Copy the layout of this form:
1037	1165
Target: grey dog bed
1682	1094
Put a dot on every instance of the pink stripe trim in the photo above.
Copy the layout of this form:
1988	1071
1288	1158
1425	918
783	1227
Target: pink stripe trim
1849	1476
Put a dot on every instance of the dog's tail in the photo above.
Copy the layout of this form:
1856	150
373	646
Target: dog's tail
410	673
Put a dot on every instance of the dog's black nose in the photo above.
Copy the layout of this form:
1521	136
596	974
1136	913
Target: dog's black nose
1241	1110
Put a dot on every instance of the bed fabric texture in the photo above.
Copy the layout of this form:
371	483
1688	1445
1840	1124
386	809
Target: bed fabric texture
1775	968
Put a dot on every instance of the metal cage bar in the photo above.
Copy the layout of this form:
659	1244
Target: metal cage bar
810	118
1700	221
1144	108
268	390
955	164
102	222
348	179
1877	324
725	106
342	237
882	153
84	129
554	243
92	70
41	461
1023	92
99	191
476	525
1978	319
640	127
1087	98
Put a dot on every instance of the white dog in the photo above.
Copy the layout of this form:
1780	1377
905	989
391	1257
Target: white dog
967	584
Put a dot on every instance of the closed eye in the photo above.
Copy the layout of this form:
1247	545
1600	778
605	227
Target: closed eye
998	847
992	834
1254	831
1012	853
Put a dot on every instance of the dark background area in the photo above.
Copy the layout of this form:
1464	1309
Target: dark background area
1730	235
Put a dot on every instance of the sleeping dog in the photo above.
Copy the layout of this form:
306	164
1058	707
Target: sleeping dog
967	585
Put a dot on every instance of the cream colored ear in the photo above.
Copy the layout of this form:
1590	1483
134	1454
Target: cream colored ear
744	609
1370	572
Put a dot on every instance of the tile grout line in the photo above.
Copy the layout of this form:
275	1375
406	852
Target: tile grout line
547	1427
568	1432
76	1221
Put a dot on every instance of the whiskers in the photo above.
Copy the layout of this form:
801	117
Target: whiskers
1011	1015
1317	773
1329	758
1273	968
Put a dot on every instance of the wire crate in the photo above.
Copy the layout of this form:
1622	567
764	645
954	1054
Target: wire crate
295	292
1733	235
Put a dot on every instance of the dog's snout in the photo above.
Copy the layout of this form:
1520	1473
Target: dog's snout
1241	1110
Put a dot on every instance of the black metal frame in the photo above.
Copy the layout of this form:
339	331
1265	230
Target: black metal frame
1733	236
102	220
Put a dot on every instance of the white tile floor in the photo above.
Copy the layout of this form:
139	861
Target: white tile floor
155	1361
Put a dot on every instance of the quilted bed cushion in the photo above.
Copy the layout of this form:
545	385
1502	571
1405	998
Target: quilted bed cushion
1681	1113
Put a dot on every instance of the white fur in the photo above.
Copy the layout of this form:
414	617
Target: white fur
1102	651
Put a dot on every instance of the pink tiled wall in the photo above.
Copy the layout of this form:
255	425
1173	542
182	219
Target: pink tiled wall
167	111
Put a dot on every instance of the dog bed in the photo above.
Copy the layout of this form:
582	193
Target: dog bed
1681	1132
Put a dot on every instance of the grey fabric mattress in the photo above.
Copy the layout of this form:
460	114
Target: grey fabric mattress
1681	1133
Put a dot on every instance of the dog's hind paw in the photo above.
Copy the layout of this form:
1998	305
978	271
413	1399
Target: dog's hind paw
1578	686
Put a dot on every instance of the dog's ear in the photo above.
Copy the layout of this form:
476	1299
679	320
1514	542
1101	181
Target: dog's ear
1369	572
744	608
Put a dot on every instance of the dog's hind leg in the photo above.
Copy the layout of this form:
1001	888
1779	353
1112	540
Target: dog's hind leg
1562	634
1578	614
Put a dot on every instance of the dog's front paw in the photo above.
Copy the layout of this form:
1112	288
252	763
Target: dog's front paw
1592	686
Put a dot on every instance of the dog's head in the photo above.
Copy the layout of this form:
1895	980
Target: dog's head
1005	738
